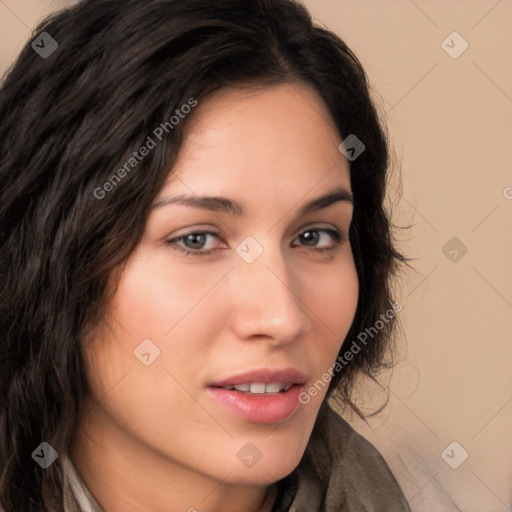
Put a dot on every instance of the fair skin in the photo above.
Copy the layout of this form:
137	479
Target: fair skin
151	438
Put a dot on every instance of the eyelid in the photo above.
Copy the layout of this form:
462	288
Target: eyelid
188	230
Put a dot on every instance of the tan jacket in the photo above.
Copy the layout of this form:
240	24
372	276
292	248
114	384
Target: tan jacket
339	472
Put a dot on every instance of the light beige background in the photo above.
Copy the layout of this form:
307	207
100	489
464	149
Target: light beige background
450	122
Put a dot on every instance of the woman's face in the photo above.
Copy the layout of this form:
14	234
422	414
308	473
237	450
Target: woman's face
250	289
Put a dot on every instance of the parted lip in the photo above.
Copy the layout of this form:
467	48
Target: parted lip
265	376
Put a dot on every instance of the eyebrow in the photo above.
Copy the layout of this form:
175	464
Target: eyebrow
225	205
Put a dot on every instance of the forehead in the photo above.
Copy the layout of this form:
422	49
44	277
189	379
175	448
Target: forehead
279	139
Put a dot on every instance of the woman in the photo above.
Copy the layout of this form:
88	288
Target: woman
194	252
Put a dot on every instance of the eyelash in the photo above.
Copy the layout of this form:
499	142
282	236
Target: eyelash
335	234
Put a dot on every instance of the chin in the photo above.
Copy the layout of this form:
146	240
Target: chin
265	472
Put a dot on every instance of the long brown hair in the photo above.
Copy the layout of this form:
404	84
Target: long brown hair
72	119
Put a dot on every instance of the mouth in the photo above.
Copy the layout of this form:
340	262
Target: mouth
260	396
260	388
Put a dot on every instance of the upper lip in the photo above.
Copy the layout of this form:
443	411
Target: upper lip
265	376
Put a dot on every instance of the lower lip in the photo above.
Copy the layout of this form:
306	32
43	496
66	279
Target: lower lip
259	407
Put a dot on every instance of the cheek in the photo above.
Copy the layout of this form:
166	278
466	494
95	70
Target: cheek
145	401
156	296
332	298
174	306
173	316
150	314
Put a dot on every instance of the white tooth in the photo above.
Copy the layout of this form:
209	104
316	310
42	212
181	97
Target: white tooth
227	387
257	387
243	387
287	386
273	387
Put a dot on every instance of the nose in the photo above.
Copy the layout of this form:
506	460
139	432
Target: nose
267	301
